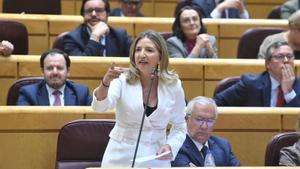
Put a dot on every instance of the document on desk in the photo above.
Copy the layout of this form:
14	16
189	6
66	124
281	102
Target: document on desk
151	157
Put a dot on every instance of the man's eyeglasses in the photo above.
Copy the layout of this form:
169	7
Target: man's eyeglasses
97	10
131	3
209	122
282	57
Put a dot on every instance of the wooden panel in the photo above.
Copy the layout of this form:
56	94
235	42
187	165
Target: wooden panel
250	121
1	6
157	24
210	88
110	114
14	119
259	10
59	24
28	150
249	147
37	27
5	84
119	22
217	69
68	7
240	25
29	66
147	9
289	121
164	9
192	89
189	69
95	67
8	67
91	84
228	47
212	26
38	44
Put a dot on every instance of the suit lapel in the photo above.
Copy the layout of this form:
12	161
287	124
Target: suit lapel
196	157
69	97
42	96
266	89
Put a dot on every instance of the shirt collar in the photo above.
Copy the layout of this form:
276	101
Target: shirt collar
199	145
51	90
274	83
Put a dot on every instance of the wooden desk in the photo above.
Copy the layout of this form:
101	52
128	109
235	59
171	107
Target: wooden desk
231	30
28	134
37	27
43	29
198	76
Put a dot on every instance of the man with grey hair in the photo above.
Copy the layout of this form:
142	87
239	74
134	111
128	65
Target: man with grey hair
292	37
277	86
201	116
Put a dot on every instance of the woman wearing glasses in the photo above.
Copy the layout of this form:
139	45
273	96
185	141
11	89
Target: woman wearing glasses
189	38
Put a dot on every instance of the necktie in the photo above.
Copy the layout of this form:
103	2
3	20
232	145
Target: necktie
57	101
280	97
204	151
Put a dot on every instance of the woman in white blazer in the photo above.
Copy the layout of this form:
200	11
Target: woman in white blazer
126	90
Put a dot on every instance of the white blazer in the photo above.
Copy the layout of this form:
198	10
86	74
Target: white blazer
128	101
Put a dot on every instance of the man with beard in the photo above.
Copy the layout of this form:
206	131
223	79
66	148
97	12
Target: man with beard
292	37
95	37
55	89
201	116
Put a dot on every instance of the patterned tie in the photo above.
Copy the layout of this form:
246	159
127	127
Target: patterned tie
204	151
280	97
57	101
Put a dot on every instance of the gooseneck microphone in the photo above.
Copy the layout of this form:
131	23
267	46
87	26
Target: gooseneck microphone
150	82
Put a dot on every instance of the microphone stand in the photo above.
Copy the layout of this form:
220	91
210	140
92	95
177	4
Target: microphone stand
153	75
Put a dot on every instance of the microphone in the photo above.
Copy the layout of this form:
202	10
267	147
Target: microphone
154	72
150	82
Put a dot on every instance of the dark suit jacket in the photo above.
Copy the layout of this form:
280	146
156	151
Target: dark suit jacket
117	12
37	95
219	147
78	43
253	90
207	6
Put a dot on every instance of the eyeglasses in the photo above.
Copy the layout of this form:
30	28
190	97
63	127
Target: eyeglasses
190	19
97	10
282	57
209	122
131	3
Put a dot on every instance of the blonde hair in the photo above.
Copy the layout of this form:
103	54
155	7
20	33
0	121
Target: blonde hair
167	76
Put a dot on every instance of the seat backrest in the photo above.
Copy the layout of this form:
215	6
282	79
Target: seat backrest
274	146
32	6
166	35
58	42
225	83
82	143
13	92
16	33
275	13
252	38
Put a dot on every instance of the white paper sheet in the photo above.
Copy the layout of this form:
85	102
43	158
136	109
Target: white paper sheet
151	157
